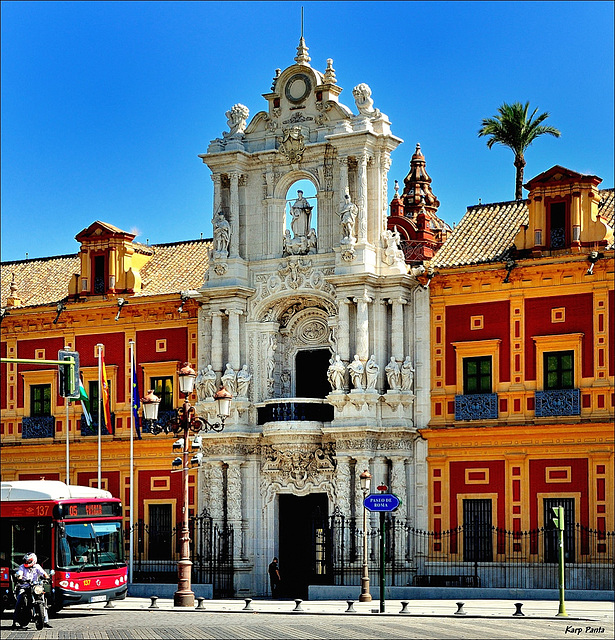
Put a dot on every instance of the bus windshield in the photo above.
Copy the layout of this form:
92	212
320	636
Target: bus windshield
89	545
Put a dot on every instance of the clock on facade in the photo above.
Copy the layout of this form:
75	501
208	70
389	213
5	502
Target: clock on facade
297	88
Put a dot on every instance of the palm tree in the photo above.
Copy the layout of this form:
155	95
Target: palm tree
512	128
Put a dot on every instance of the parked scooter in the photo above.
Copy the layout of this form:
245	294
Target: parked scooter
33	605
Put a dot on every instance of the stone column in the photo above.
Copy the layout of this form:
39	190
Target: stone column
398	485
397	327
343	177
362	199
216	491
216	179
234	505
234	221
342	484
204	338
234	355
343	330
217	362
362	339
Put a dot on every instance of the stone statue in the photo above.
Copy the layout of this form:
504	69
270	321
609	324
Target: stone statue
229	379
312	241
286	243
237	117
392	252
362	98
222	235
301	213
356	370
371	373
335	373
348	217
243	381
393	374
208	382
407	375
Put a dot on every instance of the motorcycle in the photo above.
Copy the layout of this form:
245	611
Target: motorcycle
33	605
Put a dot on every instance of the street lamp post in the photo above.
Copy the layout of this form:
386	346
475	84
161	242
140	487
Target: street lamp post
365	596
187	422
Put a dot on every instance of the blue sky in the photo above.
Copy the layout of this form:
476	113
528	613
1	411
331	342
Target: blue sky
106	105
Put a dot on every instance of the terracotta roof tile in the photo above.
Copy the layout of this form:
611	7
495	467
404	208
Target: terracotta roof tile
487	231
173	267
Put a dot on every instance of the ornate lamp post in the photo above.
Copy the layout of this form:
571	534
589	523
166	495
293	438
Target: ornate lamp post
186	422
366	478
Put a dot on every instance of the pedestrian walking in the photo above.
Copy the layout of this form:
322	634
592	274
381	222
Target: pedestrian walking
274	577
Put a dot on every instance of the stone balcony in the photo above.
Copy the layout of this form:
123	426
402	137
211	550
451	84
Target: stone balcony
294	410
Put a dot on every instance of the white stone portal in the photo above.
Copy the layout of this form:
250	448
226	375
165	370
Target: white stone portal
285	311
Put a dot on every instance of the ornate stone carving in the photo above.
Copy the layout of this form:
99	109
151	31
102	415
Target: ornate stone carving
222	235
298	465
393	374
292	144
205	383
221	268
392	252
362	97
237	117
229	379
336	374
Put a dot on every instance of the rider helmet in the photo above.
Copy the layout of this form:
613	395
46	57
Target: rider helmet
29	559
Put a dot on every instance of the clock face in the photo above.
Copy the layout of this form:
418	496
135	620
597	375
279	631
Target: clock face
298	87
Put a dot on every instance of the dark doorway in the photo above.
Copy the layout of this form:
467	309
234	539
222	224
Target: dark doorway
311	373
302	543
477	531
552	534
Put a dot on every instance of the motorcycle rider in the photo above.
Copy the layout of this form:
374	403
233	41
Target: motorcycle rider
29	571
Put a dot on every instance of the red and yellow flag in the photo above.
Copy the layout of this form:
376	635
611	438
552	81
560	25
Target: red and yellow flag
105	395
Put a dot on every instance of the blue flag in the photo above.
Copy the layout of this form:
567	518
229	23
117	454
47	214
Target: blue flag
136	401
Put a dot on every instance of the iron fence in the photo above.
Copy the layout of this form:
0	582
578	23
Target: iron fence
507	559
157	550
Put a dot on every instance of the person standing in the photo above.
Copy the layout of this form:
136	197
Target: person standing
274	577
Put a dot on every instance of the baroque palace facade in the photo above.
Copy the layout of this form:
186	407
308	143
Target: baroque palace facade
311	305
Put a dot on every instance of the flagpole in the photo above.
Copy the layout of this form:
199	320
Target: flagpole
100	347
67	442
132	427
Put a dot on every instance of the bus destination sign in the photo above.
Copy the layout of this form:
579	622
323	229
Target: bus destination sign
381	502
67	510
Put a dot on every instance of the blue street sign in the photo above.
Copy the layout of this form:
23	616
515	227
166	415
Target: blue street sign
381	502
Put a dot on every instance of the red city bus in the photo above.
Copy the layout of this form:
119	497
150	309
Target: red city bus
76	531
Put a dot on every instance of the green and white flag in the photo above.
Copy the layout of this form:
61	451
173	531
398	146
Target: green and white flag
85	404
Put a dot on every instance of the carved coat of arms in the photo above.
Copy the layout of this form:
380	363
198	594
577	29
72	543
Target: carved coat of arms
292	144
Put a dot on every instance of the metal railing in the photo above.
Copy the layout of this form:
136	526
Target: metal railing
558	402
476	406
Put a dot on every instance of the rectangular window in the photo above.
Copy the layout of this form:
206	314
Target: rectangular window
557	219
99	274
551	533
559	370
477	531
40	400
477	375
93	398
163	388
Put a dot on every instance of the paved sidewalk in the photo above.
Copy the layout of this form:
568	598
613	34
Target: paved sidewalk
539	609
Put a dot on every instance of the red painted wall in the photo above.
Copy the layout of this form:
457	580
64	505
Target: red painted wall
496	325
610	338
496	485
27	349
578	483
579	318
113	480
4	383
114	355
175	491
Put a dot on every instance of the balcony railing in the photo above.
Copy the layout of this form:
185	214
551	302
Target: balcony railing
92	429
558	402
162	424
295	409
37	427
476	406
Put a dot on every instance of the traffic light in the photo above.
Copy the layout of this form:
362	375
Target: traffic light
68	376
558	517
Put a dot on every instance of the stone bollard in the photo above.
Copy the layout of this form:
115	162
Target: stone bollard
248	606
109	605
404	606
518	611
460	611
201	603
153	605
298	606
350	608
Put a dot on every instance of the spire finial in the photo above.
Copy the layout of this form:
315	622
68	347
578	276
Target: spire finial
302	51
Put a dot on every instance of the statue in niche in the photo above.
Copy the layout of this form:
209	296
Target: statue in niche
208	382
356	371
362	98
229	379
371	373
348	217
335	373
393	374
237	117
222	235
407	375
243	381
301	213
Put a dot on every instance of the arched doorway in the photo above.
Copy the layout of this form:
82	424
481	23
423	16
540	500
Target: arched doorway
311	373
